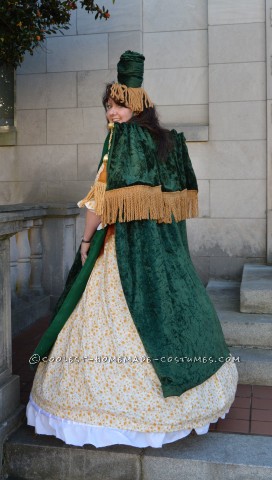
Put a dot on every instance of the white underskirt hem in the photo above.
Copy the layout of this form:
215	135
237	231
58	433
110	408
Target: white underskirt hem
79	434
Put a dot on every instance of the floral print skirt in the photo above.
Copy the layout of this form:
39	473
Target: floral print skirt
98	386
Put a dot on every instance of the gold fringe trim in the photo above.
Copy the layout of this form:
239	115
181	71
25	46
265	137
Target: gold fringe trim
99	197
182	204
134	98
141	202
138	202
86	199
98	189
97	193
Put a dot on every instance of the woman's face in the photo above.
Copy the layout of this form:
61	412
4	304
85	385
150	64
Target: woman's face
117	113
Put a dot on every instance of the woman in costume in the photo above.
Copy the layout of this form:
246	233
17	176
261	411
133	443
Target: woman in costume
135	354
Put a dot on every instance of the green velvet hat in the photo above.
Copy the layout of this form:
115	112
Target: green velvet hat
128	90
130	69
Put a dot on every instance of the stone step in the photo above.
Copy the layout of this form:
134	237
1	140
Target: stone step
256	289
255	365
214	455
240	329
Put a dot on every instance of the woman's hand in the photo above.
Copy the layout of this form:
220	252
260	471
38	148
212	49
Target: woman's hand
84	251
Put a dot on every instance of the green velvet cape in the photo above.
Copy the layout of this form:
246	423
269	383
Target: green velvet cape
168	303
133	160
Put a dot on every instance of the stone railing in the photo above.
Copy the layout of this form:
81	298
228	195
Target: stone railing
37	248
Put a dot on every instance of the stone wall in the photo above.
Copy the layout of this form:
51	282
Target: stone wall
231	167
205	66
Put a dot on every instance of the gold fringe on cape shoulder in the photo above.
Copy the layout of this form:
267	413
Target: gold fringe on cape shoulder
141	202
182	204
97	191
138	202
134	98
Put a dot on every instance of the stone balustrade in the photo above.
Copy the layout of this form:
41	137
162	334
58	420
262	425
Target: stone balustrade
37	248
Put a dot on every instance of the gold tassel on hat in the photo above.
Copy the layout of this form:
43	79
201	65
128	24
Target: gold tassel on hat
135	98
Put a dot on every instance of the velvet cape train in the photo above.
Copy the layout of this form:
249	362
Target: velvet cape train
172	312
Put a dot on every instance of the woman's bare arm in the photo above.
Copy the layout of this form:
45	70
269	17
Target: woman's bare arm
91	223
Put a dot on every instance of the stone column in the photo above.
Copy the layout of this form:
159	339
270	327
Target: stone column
10	411
36	257
58	236
13	268
5	327
269	126
24	266
50	243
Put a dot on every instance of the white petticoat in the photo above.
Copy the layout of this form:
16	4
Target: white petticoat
79	434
